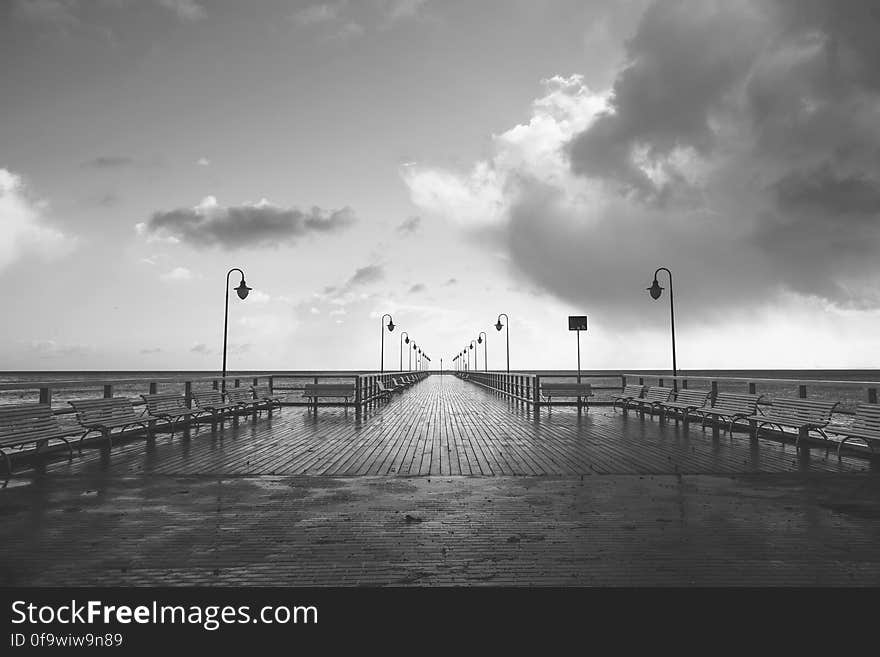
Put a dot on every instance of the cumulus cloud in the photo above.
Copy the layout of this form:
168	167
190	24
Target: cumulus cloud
203	162
738	145
23	222
418	287
262	224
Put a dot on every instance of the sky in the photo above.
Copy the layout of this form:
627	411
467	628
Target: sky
443	162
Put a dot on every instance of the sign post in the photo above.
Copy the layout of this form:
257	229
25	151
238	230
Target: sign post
578	323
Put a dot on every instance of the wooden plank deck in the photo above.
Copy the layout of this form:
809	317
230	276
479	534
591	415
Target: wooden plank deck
380	499
444	426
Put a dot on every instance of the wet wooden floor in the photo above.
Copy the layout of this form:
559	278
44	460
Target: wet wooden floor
447	484
445	426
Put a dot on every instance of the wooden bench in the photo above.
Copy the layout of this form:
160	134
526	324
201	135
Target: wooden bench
654	396
243	398
385	391
211	401
104	415
686	402
266	399
865	427
630	393
801	414
23	424
316	391
401	383
731	407
171	407
566	389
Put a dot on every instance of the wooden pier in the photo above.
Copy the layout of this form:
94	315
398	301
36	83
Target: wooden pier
448	483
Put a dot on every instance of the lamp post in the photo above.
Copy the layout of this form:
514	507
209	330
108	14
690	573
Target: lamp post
471	345
242	291
656	290
402	333
484	339
382	343
500	326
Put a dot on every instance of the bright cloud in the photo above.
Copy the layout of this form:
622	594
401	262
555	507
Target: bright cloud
24	227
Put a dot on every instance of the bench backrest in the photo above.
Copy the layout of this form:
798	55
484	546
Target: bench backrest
815	410
239	395
25	419
632	390
262	392
330	389
735	403
867	418
159	404
92	411
658	394
693	397
206	398
566	389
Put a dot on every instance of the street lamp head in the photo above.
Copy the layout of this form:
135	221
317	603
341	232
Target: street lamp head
480	340
407	339
499	325
390	324
656	290
243	289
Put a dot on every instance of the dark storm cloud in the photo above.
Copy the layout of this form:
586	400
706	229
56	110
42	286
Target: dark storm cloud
776	106
246	225
682	63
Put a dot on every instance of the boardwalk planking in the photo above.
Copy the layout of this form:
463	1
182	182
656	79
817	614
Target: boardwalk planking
444	426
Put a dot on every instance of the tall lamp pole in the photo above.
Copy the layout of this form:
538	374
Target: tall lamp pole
473	344
242	291
402	333
656	290
485	340
382	342
500	326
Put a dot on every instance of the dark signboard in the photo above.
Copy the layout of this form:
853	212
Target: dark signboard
577	323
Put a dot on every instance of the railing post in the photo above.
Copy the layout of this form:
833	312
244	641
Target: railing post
271	383
684	384
188	393
802	391
641	380
357	393
46	396
216	385
153	387
872	395
238	383
536	393
714	391
108	390
752	388
660	382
